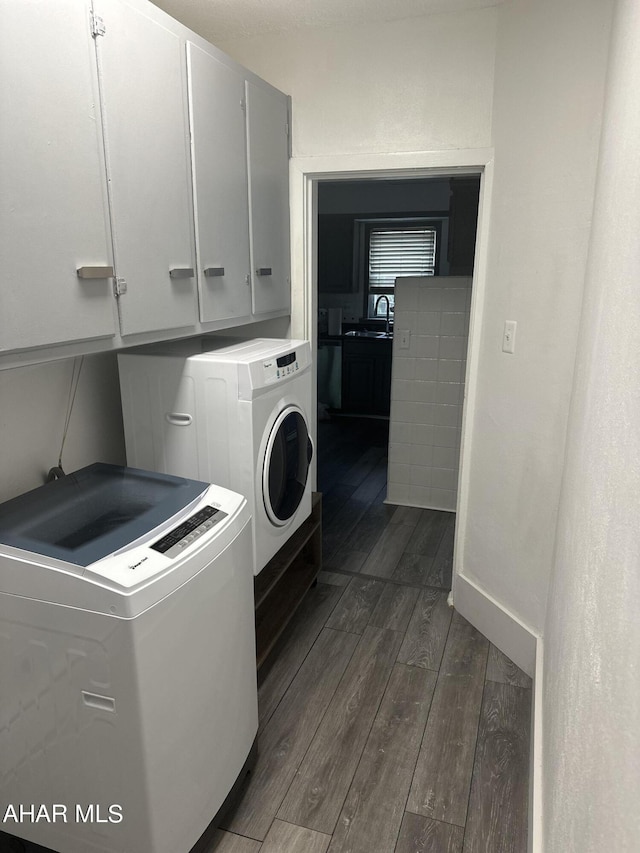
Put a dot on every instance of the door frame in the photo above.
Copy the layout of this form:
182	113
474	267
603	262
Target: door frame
305	173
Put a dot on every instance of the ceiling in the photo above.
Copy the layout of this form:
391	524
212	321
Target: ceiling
227	20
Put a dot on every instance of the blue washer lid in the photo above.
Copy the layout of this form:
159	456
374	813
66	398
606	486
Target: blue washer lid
93	512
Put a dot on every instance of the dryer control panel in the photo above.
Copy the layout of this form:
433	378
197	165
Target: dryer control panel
281	367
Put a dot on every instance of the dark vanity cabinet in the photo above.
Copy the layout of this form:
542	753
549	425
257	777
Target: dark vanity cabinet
366	375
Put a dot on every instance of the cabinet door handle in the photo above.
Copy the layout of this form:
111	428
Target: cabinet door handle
212	272
95	272
263	271
179	418
181	272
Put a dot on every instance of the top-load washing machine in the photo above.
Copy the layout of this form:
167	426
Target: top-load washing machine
230	411
129	706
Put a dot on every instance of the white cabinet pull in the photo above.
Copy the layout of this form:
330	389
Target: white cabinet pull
95	272
263	271
181	272
179	418
102	703
211	272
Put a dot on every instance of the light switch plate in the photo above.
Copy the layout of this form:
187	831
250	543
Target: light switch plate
404	338
509	337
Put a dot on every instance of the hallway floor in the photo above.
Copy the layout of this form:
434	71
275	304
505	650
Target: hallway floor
387	722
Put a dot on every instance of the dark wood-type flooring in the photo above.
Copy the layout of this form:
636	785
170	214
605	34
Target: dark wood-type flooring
388	724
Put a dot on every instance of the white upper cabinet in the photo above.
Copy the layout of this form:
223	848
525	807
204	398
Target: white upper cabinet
144	182
144	93
216	94
53	217
268	155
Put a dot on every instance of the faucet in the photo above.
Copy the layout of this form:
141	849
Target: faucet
375	310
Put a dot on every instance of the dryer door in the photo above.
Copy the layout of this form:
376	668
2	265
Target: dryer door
286	465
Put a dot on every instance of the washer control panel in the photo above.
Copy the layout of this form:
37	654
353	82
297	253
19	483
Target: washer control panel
173	543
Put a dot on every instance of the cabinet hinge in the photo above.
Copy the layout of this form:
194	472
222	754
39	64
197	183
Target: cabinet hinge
97	25
119	286
243	105
286	130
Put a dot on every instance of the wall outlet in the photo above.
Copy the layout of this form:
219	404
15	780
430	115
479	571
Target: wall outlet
509	336
404	338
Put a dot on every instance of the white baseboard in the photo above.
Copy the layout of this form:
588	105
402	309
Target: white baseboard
536	843
525	648
505	630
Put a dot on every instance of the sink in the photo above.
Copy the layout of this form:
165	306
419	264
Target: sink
366	334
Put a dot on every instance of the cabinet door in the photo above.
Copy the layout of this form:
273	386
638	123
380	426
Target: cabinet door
216	94
268	153
382	385
358	381
144	93
53	217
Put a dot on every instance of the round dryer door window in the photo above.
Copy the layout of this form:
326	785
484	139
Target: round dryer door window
286	465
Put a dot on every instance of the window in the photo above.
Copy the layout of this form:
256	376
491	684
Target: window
402	248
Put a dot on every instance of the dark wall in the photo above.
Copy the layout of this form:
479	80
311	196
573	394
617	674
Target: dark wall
457	200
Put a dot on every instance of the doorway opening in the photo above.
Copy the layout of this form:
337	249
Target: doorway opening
391	369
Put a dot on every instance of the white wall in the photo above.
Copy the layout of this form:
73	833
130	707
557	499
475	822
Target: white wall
33	406
550	68
429	84
411	85
592	638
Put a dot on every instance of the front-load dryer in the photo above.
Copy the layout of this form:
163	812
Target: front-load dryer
230	411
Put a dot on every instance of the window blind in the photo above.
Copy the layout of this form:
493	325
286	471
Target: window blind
400	252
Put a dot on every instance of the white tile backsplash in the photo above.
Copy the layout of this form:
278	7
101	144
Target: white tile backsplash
444	436
400	473
428	391
421	475
400	432
400	493
454	300
452	324
425	392
421	496
428	323
448	392
421	433
403	389
426	368
446	457
425	346
429	299
449	370
443	499
402	454
452	347
444	478
421	455
407	320
446	415
405	411
405	368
